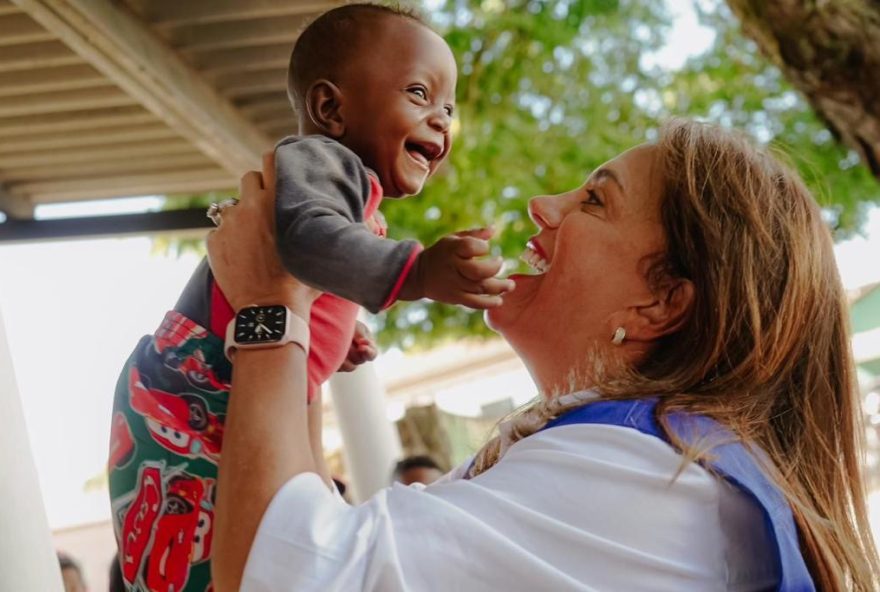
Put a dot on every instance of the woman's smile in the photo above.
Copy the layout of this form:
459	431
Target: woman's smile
535	256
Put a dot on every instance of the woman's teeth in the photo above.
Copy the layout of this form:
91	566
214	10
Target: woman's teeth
535	261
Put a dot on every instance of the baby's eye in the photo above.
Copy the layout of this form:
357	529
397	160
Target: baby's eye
449	110
418	91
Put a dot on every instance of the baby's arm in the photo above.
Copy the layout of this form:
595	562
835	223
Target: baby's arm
450	271
322	189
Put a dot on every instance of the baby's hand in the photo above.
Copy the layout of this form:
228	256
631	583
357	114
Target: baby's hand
363	349
451	271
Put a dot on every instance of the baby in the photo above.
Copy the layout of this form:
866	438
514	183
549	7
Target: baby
374	92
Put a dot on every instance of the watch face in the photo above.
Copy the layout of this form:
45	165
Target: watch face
260	324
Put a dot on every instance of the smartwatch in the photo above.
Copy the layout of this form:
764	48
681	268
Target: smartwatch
259	327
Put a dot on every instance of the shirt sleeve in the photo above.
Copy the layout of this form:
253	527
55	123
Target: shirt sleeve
572	508
322	188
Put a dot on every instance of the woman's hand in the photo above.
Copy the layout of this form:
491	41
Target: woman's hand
267	437
242	250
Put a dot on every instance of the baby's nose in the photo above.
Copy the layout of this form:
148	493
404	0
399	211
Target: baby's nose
441	120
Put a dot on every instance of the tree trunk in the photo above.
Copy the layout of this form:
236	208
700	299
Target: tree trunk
422	432
830	51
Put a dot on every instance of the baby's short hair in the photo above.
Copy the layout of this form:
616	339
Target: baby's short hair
331	40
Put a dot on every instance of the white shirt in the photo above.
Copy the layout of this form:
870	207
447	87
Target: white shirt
577	507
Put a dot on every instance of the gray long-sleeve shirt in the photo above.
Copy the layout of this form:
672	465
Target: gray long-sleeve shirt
322	190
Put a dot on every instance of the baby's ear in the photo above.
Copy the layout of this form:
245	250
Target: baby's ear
323	102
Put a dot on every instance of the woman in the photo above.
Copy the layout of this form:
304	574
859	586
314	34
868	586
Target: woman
690	284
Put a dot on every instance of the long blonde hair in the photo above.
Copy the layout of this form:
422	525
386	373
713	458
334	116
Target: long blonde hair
766	350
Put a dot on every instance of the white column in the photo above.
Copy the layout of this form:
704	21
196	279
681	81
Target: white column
27	559
370	443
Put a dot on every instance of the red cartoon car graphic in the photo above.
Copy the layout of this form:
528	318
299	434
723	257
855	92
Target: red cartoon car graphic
175	330
121	442
173	547
179	423
203	536
199	374
137	525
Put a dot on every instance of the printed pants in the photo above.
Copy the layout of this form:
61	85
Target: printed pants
164	446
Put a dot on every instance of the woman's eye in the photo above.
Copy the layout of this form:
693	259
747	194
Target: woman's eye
419	92
592	199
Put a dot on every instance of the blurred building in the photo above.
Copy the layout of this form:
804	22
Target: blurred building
865	323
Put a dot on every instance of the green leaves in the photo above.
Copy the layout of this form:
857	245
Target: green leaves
734	85
545	95
549	90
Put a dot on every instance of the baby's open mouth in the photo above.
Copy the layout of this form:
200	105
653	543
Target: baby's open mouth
423	152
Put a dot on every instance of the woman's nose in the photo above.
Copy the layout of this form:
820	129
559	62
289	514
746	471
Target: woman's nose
546	211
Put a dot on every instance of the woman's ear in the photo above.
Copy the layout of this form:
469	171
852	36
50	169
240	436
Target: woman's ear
664	315
323	102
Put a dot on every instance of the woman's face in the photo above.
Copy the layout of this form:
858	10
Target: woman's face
590	257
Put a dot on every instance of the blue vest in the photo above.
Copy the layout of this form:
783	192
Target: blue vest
730	460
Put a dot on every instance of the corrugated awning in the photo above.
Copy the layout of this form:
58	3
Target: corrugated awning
102	99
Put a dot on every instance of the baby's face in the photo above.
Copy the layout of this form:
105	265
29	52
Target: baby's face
398	98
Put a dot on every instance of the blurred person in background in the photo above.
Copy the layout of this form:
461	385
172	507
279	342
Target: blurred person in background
71	574
417	469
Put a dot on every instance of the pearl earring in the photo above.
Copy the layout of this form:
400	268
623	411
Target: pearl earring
619	336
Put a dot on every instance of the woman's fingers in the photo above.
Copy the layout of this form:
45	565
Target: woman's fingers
209	241
269	169
251	182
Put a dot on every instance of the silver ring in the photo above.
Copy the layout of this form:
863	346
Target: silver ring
216	208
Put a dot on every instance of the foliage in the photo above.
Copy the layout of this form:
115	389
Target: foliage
550	89
734	85
545	95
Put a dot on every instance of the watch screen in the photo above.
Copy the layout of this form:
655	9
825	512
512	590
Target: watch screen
260	324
